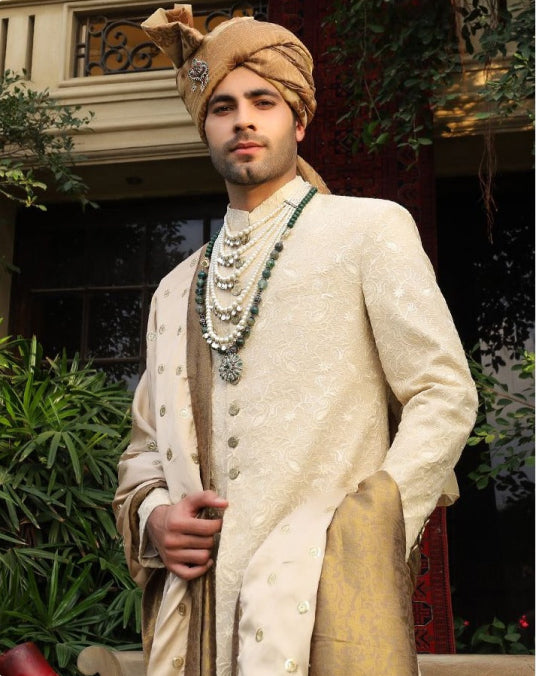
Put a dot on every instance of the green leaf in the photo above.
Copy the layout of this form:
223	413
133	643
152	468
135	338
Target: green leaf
75	460
64	435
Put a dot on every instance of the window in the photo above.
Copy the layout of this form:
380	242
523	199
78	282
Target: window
114	42
87	278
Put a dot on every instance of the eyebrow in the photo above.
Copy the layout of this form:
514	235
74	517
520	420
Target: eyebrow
252	94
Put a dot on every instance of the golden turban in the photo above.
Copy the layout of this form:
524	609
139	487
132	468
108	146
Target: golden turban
203	61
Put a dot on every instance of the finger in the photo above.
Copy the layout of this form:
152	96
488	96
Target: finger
196	501
182	541
195	527
191	572
190	557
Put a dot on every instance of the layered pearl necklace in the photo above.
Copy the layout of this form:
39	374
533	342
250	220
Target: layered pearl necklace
238	267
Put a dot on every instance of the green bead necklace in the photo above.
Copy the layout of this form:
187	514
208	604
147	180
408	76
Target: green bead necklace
231	365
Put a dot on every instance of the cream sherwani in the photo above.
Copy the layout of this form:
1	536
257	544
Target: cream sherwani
352	315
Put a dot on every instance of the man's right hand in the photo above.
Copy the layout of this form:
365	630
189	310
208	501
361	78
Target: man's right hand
183	540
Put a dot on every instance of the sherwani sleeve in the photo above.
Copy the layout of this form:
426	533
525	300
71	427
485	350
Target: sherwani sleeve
140	467
423	361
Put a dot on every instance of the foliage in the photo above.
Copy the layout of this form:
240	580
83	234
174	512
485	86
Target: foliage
63	578
505	426
504	276
406	53
35	136
495	637
487	32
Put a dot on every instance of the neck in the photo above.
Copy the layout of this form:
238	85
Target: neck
248	197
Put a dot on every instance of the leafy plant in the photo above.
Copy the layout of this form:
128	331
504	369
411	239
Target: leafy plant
504	276
401	56
63	580
36	142
488	31
505	425
494	637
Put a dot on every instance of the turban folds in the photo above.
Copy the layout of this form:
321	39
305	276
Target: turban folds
203	61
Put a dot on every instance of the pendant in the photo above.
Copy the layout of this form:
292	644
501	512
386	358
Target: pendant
230	368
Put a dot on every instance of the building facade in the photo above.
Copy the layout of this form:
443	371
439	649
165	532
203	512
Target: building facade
86	277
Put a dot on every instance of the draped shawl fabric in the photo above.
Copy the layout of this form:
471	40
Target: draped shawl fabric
203	61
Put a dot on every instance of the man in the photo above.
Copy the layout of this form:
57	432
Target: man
261	426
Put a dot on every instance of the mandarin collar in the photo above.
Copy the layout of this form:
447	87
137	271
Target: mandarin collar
238	219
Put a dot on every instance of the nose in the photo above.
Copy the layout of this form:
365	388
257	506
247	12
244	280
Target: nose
243	118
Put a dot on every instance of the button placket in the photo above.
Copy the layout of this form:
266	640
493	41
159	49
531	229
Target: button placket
233	436
177	662
234	408
291	666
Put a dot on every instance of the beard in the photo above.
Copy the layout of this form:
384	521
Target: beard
250	170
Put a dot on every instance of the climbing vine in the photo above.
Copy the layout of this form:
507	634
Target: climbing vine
405	55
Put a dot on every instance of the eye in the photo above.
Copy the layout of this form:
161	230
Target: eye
265	103
221	108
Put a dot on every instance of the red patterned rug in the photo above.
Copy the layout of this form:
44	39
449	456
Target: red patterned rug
432	608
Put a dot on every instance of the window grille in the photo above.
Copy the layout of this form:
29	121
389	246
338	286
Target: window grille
114	43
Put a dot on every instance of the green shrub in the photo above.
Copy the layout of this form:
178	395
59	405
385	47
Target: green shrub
63	579
493	638
505	430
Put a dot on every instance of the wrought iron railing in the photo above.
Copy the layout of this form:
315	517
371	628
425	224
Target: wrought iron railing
110	44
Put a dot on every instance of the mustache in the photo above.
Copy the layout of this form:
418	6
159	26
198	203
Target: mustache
245	137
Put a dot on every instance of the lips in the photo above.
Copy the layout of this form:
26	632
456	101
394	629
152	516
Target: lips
245	146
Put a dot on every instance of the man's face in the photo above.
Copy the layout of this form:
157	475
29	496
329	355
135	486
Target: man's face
252	133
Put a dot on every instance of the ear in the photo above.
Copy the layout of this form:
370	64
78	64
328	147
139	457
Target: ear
300	131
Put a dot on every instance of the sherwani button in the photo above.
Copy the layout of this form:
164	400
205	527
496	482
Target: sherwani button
234	409
272	579
234	472
184	412
181	608
151	445
232	442
169	454
161	328
291	666
178	370
303	607
161	368
195	458
315	552
162	411
177	662
259	635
